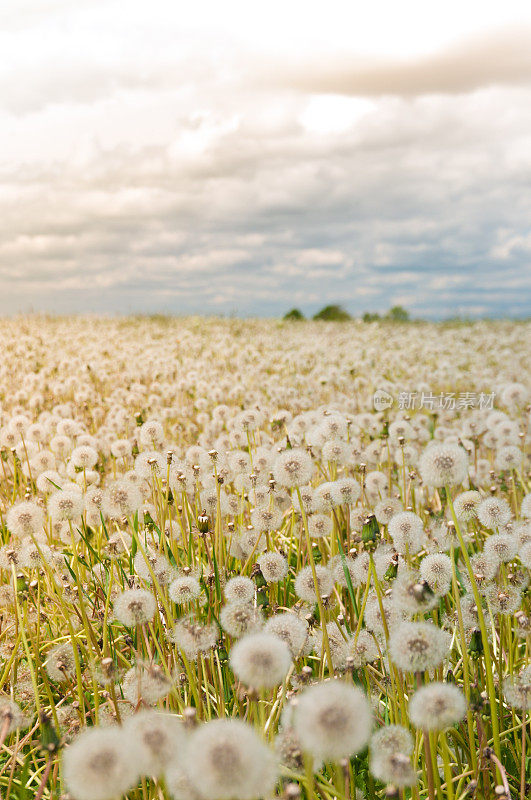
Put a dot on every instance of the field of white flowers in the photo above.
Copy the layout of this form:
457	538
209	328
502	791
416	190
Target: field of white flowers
229	570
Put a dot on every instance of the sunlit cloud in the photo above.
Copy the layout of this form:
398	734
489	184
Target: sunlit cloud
500	58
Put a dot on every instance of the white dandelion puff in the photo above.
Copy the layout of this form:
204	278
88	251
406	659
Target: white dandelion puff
135	607
293	468
437	706
305	585
333	720
443	465
418	646
239	589
494	512
273	566
101	764
260	660
227	760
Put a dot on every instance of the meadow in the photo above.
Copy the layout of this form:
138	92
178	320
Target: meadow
247	559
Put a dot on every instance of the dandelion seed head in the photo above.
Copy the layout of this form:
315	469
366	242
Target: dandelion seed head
338	642
319	526
48	481
373	614
437	706
305	586
418	646
239	589
40	462
25	519
193	637
501	546
386	509
292	630
508	457
494	512
338	565
121	448
411	593
332	720
12	718
101	764
525	555
443	465
184	589
466	505
363	649
61	445
260	660
227	760
505	599
394	768
145	683
392	738
406	530
436	569
66	505
150	563
288	748
484	567
161	737
121	499
60	663
514	395
151	462
376	484
33	554
238	619
293	468
324	497
178	784
135	607
84	457
525	508
152	434
273	566
307	498
266	519
336	451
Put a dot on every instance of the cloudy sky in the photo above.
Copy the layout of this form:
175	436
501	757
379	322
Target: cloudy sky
245	157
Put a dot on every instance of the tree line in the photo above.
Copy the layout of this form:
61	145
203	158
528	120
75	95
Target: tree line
336	313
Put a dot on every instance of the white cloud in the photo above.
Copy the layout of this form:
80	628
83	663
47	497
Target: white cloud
508	245
151	161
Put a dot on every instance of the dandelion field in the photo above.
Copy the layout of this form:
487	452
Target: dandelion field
226	573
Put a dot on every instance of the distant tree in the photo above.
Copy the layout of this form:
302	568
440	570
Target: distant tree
333	313
294	315
398	314
370	316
